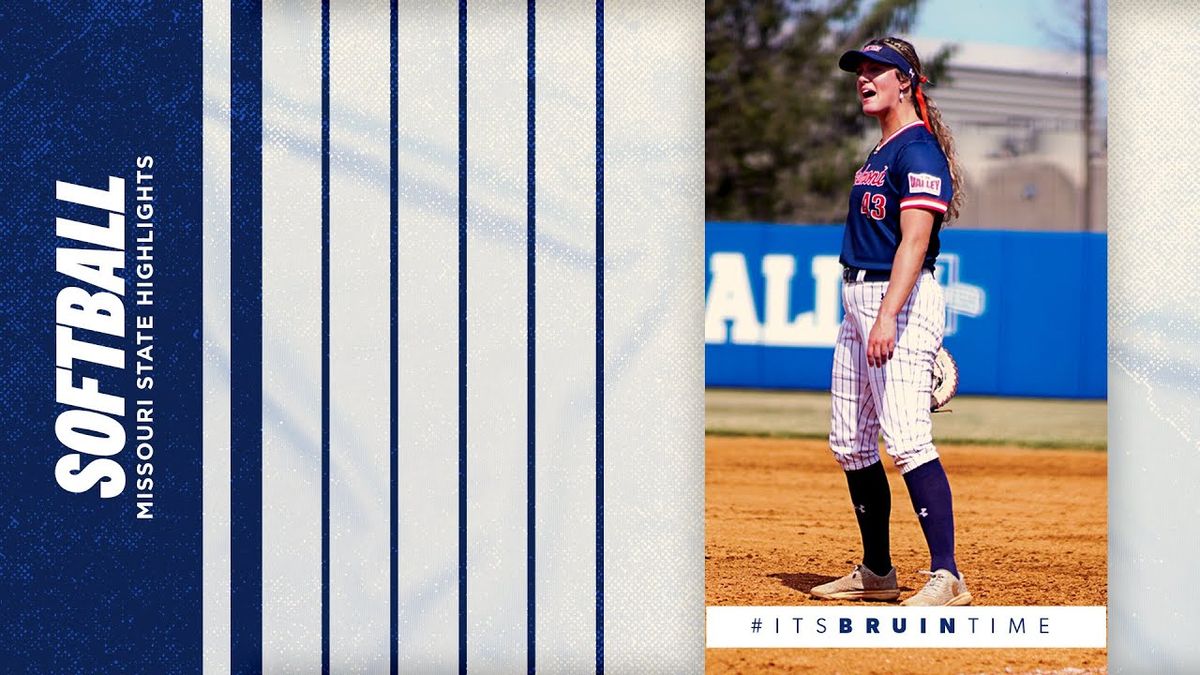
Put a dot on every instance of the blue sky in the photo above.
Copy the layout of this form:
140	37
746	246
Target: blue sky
1020	23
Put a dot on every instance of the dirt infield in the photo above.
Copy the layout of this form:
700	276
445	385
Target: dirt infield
1031	530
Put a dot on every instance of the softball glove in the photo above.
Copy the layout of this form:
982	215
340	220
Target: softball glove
945	379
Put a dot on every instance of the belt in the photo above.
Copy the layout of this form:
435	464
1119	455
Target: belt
853	274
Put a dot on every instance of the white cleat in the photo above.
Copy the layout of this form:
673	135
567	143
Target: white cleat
942	590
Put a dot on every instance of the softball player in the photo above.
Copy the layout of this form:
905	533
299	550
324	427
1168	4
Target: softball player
893	326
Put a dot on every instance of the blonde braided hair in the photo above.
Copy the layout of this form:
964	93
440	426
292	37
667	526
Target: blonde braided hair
932	117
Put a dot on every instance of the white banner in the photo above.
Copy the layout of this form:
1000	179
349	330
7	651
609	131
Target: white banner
921	627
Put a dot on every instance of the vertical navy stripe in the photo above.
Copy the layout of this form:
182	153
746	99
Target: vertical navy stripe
462	336
531	335
599	336
394	572
246	337
325	336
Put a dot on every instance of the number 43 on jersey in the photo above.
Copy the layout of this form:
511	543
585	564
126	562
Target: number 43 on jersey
874	205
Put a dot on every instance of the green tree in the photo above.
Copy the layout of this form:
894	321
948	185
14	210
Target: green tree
783	125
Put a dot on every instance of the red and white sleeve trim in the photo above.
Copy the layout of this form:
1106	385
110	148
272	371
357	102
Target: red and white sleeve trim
923	203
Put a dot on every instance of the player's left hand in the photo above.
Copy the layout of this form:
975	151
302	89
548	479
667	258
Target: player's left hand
881	343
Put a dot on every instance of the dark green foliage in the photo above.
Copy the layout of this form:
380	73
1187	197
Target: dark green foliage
783	126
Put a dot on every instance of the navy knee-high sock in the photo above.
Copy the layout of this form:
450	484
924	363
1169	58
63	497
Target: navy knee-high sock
929	490
872	499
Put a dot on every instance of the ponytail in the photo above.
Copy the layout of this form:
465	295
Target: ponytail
928	112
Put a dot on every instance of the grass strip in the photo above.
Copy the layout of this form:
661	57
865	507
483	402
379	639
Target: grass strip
1040	444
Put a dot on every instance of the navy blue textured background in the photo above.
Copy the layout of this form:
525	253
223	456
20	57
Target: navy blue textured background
86	88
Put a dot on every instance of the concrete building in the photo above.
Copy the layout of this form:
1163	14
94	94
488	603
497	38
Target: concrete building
1017	119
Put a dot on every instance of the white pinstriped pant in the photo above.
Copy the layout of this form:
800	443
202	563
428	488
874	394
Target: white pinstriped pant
893	399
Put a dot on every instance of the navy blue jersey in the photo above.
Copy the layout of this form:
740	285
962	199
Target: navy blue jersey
908	171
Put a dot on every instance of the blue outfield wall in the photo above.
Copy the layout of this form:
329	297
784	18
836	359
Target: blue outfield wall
1025	310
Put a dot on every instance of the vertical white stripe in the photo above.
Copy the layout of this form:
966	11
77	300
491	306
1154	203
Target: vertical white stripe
496	569
566	310
1154	431
428	326
216	491
360	346
291	485
654	285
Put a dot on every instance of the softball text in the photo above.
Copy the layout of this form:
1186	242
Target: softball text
96	307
